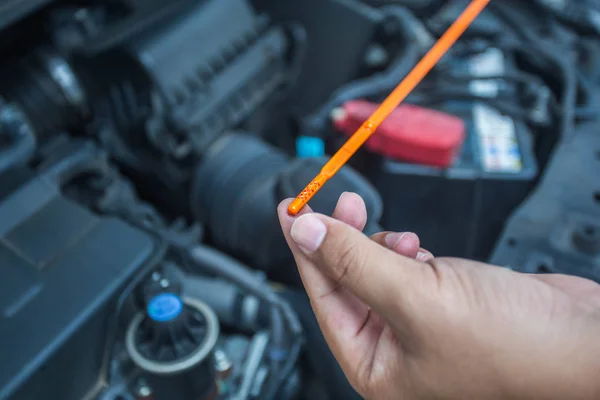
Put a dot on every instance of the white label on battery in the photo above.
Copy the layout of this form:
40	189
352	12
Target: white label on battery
489	63
496	133
497	140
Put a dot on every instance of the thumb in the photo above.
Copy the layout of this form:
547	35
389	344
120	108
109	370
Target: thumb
386	281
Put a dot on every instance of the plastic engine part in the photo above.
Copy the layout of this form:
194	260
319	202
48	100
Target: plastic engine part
484	185
173	343
460	211
62	268
414	134
557	229
214	86
203	89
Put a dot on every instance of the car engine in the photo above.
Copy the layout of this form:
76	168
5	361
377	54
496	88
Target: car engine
145	145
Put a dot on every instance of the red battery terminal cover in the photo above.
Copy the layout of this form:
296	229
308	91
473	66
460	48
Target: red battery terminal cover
411	133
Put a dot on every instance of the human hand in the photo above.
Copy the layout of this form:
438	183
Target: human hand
438	328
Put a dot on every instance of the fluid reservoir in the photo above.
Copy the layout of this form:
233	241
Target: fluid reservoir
172	341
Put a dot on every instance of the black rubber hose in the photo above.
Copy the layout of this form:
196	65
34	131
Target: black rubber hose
286	371
279	354
235	191
533	46
315	124
216	263
30	83
222	296
578	16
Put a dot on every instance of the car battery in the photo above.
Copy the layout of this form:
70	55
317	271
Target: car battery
460	210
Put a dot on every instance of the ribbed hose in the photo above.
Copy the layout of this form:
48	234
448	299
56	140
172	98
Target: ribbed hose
46	89
236	189
233	191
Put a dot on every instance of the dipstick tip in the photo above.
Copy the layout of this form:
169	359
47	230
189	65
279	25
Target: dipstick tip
295	207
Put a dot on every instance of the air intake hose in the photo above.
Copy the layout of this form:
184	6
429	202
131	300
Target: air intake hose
236	189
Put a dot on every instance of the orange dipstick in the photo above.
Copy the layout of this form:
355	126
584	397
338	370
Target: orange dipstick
394	99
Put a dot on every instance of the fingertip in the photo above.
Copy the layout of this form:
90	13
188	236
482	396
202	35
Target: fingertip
424	255
283	207
348	196
351	209
285	219
308	232
405	243
394	239
351	199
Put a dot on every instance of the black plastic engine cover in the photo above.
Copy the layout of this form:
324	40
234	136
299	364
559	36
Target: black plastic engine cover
61	267
557	230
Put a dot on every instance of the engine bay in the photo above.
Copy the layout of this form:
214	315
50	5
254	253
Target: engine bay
145	145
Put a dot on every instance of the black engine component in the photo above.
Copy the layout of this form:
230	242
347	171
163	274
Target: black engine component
134	326
349	27
65	266
440	199
199	90
236	190
173	341
557	230
218	84
583	14
493	174
46	88
399	25
153	97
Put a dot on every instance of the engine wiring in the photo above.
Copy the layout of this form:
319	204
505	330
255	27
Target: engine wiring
534	46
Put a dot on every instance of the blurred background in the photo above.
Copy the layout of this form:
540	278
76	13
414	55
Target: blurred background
145	145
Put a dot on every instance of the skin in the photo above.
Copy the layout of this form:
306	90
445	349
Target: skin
405	325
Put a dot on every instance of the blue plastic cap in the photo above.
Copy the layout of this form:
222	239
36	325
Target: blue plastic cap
307	146
165	307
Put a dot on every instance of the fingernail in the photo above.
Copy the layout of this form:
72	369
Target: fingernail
308	232
392	239
422	256
341	198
